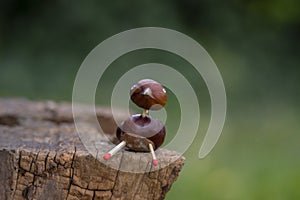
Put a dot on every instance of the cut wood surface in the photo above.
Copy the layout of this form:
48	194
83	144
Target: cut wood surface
42	157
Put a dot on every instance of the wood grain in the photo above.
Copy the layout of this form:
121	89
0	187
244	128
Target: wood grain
42	157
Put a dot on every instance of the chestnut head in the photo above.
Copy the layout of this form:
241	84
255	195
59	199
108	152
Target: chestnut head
138	132
148	94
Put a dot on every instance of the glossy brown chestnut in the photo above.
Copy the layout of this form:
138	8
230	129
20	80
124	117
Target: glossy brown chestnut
148	94
138	132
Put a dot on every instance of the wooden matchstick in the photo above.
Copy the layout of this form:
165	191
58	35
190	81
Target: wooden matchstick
154	161
145	112
114	150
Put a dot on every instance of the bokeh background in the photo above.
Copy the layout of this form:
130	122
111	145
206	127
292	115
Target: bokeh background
254	43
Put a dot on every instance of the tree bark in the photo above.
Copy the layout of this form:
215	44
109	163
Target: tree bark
42	157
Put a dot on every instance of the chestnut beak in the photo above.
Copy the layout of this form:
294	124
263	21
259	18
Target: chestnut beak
148	92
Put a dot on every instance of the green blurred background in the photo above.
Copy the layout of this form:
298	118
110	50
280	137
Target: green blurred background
254	43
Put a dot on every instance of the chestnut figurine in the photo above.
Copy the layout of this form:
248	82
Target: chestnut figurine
141	132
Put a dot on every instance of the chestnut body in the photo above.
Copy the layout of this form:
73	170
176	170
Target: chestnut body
138	132
148	94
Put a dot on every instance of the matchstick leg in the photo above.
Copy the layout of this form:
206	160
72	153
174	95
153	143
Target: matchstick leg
114	150
154	159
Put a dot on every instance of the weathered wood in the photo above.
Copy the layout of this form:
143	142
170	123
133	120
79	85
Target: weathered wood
42	157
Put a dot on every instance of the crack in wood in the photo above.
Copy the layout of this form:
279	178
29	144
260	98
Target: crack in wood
138	190
9	120
72	171
18	169
117	175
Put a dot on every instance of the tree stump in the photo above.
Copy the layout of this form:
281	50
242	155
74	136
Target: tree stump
42	157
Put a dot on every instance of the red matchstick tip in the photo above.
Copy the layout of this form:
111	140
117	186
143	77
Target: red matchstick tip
107	156
155	162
